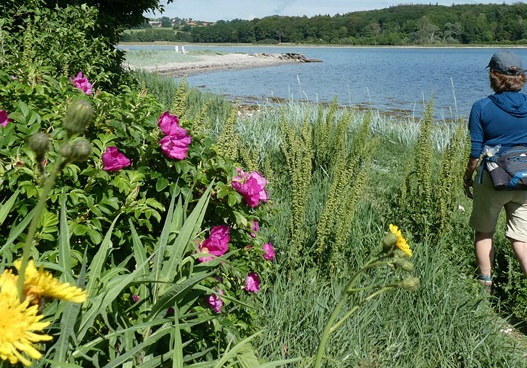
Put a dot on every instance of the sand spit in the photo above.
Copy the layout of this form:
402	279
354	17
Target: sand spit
208	63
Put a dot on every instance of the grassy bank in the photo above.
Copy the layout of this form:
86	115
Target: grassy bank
448	322
145	224
143	58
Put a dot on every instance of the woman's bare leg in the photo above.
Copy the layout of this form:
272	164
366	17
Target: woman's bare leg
484	249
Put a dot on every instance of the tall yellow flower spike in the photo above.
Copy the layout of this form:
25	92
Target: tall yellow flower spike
19	324
401	242
39	283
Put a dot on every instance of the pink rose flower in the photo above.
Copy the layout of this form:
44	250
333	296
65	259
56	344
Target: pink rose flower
269	253
176	141
176	146
215	302
217	244
3	118
169	124
254	229
252	283
113	160
81	82
135	298
251	186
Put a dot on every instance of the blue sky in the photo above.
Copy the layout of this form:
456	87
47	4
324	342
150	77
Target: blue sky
213	10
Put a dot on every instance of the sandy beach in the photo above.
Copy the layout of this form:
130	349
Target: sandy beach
207	63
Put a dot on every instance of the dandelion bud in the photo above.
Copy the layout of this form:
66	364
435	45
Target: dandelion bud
389	241
404	264
78	116
80	149
65	150
399	253
411	283
39	143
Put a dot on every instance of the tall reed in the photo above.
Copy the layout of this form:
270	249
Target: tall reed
298	152
417	187
451	170
350	167
228	139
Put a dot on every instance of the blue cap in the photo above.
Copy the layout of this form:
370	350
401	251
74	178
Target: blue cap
506	62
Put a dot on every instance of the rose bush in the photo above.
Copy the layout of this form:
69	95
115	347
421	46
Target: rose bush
176	141
252	282
129	180
217	244
269	253
116	202
215	301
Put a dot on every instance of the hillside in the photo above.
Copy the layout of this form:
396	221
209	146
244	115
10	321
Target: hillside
397	25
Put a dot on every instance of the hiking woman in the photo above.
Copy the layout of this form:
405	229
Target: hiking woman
499	119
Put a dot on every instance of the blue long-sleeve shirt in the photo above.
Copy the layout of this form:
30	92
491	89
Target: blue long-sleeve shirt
498	119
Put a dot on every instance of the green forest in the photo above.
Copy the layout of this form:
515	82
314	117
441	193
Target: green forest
397	25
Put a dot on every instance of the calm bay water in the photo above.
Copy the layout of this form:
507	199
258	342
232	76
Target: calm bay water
397	80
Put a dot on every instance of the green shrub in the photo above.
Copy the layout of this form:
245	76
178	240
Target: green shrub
117	220
40	42
267	41
432	180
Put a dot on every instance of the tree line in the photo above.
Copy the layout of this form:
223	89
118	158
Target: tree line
396	25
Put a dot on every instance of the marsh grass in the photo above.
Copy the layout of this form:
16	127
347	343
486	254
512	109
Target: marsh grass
448	322
166	90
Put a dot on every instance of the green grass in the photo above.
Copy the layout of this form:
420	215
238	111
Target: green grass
447	322
143	58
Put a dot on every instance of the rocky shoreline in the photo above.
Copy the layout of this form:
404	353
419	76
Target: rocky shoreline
207	63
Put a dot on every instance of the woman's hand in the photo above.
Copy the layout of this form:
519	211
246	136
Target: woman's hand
468	182
467	186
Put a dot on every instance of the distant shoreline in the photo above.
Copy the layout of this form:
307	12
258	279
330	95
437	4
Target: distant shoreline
284	45
237	61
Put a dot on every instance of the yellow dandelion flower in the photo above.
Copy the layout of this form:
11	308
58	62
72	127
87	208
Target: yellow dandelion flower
19	324
39	283
401	242
8	283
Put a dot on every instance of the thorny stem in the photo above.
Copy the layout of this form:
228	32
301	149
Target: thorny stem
35	221
49	182
41	167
